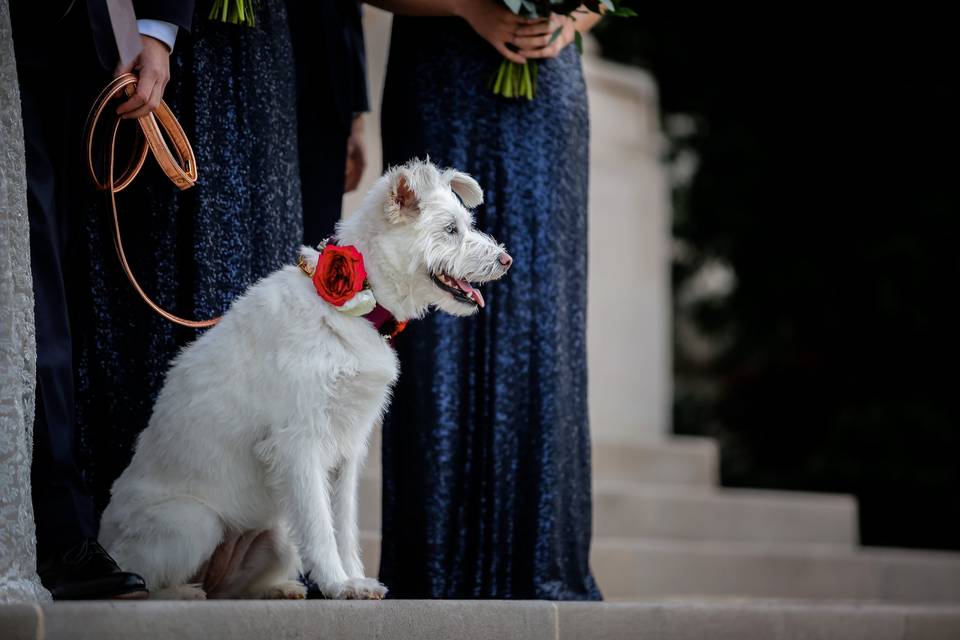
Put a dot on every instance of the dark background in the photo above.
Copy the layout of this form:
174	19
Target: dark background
827	183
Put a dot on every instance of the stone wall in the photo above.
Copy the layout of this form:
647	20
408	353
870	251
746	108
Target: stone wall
18	580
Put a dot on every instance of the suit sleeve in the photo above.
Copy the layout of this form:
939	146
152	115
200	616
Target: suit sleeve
353	33
178	12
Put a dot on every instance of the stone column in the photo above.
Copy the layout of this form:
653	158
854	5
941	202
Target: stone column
628	293
18	559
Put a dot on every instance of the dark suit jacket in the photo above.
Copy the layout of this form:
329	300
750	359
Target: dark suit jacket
40	26
329	54
178	12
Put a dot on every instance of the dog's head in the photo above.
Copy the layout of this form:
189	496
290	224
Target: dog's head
419	242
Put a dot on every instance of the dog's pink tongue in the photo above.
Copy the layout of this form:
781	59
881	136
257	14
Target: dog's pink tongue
470	291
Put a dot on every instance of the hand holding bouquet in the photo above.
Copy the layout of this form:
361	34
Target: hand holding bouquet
548	26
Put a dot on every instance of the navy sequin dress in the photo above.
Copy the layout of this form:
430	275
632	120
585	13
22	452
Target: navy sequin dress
486	450
195	251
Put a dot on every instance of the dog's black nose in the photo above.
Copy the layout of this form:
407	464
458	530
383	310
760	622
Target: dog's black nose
506	260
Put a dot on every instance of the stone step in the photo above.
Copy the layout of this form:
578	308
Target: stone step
630	510
631	569
280	620
755	620
674	460
476	620
677	460
643	569
694	513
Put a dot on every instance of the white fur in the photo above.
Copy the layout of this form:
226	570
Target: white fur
262	423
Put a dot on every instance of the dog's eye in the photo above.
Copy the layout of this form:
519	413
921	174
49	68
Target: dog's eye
452	228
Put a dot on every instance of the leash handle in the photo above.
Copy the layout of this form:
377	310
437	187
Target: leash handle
181	170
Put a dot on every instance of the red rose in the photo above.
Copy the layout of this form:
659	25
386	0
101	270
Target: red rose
339	274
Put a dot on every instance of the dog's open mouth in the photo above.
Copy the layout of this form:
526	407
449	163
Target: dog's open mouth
459	289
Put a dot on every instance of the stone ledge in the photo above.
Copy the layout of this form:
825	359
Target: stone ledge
718	619
21	622
756	620
314	619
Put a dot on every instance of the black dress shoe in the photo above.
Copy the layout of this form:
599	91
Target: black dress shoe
87	572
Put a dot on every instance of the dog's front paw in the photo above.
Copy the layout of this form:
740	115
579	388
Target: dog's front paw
356	589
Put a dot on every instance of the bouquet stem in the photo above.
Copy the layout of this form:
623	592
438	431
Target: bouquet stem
233	11
514	80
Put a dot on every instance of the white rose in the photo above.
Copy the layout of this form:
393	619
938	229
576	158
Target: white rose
359	305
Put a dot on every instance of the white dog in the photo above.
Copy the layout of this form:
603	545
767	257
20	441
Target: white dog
262	423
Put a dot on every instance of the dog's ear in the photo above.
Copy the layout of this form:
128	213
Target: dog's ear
402	203
467	188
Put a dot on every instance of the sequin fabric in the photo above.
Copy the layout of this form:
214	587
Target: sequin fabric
232	88
486	449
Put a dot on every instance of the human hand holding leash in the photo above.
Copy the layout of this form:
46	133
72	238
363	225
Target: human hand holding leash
153	68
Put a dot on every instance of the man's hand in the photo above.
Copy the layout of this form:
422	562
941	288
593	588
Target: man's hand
153	67
356	155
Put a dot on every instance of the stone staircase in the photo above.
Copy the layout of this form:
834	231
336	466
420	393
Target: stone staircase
664	529
677	558
475	620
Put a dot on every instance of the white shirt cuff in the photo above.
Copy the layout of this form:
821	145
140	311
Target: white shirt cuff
162	31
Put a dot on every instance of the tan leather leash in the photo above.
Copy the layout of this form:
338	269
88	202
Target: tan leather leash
182	169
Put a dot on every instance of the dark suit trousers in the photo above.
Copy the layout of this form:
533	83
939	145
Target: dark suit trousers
52	105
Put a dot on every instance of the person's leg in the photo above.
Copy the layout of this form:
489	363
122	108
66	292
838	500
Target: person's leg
70	562
63	510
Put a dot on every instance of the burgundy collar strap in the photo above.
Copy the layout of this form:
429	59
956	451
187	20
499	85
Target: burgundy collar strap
384	322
